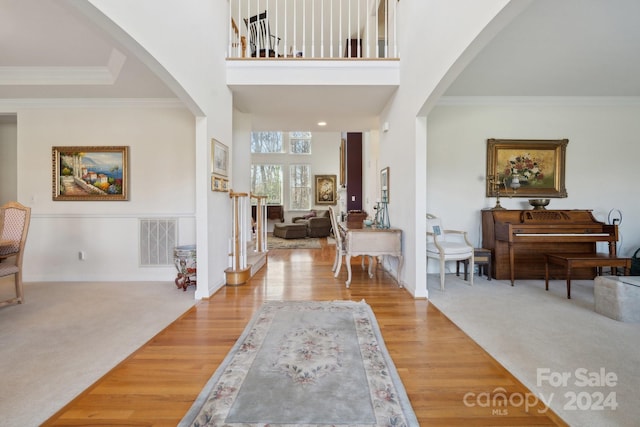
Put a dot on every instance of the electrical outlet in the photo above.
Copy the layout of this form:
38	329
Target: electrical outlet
81	256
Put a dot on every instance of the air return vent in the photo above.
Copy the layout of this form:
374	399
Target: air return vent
158	237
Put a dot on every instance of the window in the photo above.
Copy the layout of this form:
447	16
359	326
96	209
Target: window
266	142
300	187
300	142
266	180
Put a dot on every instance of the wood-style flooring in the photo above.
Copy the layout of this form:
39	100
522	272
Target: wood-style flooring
450	380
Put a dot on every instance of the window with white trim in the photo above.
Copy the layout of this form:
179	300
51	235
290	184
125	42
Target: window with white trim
299	187
266	180
266	142
300	142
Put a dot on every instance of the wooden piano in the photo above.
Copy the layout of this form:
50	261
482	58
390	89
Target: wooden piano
518	240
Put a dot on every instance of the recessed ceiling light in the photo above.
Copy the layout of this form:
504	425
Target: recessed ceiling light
322	123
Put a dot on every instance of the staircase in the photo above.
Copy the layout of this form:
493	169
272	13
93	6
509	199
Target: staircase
255	259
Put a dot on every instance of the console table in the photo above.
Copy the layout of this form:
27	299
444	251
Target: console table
273	212
374	242
572	260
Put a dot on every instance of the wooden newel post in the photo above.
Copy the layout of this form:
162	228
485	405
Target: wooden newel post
238	273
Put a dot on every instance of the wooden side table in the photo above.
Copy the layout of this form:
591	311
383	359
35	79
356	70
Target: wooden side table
482	258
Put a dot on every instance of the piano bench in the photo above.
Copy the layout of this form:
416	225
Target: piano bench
569	261
482	258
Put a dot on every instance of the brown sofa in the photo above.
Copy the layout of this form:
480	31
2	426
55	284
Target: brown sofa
318	223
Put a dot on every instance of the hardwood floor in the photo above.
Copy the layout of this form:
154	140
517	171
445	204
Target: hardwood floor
439	365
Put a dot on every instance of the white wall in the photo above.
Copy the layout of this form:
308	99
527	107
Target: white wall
161	184
433	35
186	43
601	163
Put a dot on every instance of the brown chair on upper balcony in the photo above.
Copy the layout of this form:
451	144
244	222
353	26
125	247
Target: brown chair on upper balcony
262	43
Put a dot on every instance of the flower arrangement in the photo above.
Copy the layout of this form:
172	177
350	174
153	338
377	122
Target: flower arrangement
527	166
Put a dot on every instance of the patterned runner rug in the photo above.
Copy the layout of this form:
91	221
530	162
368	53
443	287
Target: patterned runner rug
306	364
304	243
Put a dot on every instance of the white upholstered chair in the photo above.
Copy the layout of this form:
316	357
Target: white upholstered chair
14	225
447	245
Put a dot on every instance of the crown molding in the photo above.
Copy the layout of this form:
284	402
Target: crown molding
11	105
580	101
74	76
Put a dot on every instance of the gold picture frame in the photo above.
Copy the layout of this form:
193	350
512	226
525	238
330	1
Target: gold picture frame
539	166
84	173
219	184
326	190
216	183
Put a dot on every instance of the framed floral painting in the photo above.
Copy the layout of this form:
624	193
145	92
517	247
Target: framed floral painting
526	168
326	190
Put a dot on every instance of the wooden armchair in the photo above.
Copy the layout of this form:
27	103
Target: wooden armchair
14	225
261	42
447	245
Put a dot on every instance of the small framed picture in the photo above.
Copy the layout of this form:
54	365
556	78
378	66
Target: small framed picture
384	185
225	185
216	183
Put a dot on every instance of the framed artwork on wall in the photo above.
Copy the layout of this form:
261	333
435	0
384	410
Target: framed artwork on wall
90	173
326	190
219	158
384	185
526	168
219	184
343	162
216	183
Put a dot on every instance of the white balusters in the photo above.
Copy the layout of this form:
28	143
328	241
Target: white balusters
320	28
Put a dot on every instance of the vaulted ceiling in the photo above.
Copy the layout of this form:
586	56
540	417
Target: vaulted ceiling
554	48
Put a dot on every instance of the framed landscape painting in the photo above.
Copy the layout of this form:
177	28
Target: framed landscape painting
90	173
526	168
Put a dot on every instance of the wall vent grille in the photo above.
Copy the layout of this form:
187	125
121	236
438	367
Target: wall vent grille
158	237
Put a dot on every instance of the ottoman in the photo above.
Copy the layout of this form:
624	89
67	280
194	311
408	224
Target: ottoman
618	297
290	231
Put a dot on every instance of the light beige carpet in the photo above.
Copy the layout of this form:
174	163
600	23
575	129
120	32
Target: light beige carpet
540	335
68	335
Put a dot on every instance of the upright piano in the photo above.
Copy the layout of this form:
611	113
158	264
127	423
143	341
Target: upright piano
518	240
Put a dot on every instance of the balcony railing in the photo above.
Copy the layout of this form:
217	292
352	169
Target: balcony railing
304	29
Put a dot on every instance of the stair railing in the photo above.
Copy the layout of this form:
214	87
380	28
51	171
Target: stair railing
261	222
238	272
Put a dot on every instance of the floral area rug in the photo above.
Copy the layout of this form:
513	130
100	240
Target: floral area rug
306	364
303	243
